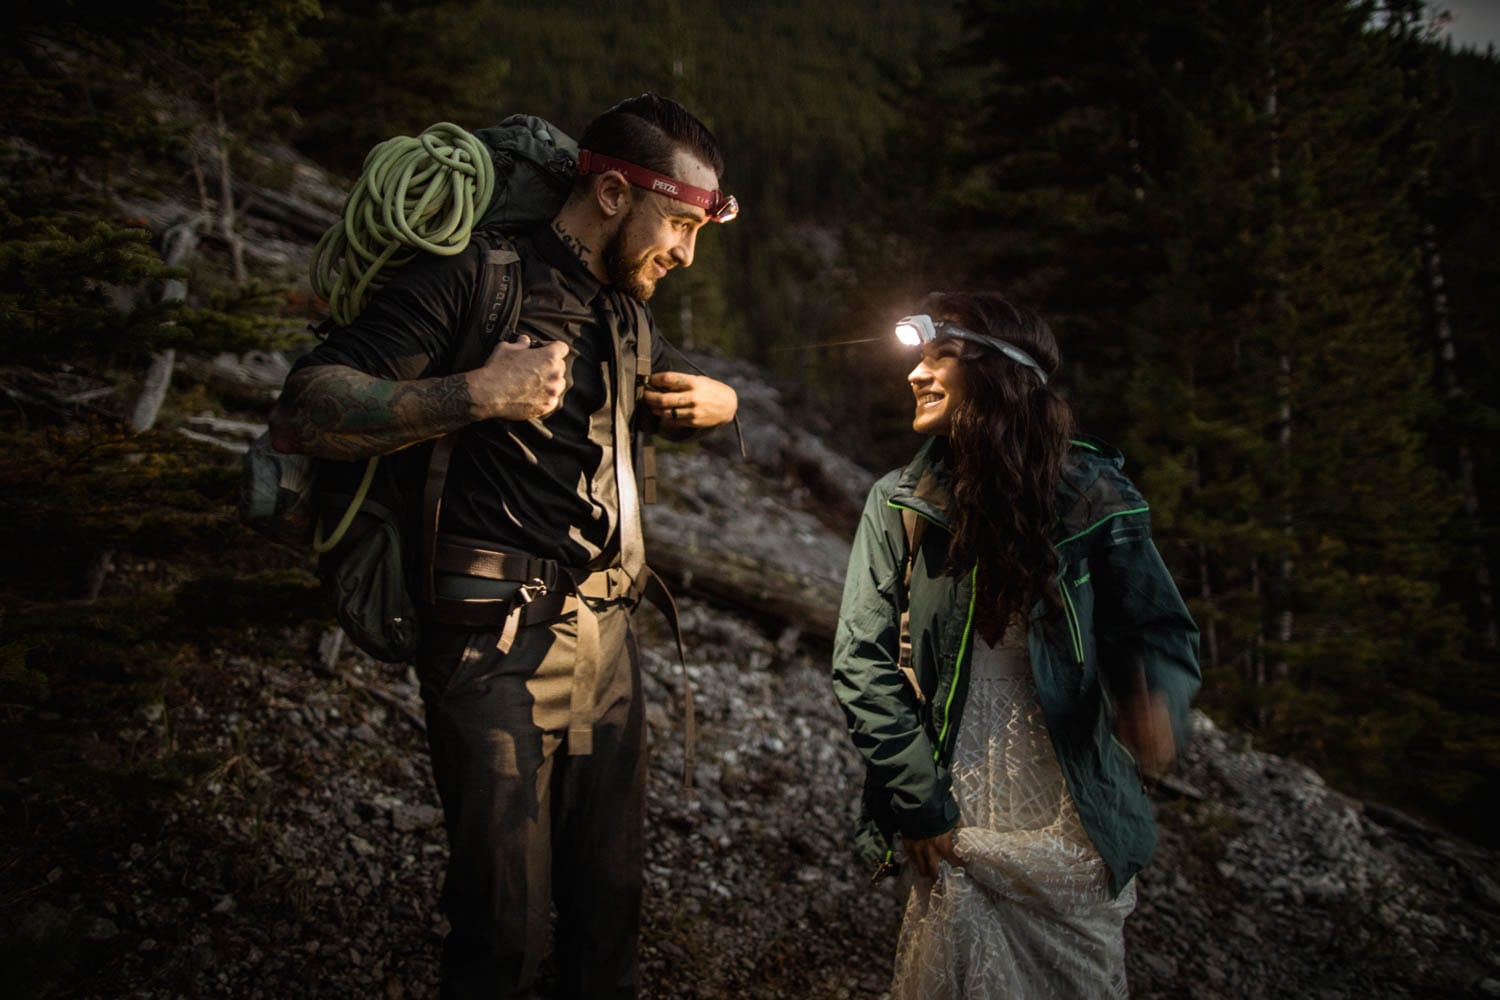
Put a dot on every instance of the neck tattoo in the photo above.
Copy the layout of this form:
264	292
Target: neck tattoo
570	241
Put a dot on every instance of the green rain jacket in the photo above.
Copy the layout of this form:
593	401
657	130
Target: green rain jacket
1121	616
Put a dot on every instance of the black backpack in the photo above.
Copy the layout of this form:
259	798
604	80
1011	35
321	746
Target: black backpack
359	516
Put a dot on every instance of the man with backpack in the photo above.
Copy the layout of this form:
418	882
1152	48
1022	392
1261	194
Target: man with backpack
528	666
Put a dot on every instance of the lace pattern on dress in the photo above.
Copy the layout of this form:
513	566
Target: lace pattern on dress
1030	914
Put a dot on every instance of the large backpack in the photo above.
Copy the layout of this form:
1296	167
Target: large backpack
430	194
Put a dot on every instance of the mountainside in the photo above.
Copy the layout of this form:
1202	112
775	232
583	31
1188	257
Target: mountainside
305	863
270	828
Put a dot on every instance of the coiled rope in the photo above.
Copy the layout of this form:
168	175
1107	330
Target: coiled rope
414	195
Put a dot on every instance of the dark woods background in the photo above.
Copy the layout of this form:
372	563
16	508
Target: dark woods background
1265	233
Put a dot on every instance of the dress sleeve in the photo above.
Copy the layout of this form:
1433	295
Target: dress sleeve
882	713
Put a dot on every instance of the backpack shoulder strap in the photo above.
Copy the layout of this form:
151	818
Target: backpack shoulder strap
497	297
654	588
496	300
645	450
915	526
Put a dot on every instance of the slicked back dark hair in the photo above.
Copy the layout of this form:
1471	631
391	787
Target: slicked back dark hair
647	131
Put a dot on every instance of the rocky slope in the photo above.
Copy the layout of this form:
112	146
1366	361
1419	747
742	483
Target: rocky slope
306	862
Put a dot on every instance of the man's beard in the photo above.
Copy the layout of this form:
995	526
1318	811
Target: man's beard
631	276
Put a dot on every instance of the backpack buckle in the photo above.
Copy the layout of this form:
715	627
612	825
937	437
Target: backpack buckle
525	594
531	590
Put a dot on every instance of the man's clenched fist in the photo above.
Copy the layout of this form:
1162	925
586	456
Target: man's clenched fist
520	381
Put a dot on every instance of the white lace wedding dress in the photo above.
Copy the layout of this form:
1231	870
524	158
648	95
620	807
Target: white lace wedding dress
1029	915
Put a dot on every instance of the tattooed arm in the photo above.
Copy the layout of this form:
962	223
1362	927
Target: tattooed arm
334	411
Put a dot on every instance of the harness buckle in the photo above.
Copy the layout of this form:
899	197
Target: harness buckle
531	590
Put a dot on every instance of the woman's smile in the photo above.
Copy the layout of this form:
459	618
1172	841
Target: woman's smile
937	385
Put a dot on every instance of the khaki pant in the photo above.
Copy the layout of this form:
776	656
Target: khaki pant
529	824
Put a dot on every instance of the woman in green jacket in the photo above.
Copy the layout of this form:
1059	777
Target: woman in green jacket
1051	661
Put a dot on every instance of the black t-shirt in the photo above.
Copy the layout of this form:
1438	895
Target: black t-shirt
546	487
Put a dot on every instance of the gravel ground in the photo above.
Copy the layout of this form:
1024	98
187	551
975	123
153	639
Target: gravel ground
306	863
282	839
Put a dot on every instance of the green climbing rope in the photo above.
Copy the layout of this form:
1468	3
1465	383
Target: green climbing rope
415	194
323	543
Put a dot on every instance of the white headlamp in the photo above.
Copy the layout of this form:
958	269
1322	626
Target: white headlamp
914	331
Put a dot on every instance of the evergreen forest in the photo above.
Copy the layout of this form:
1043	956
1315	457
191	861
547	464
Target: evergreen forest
1265	233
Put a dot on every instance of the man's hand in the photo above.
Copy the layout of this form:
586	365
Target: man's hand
519	381
926	853
683	400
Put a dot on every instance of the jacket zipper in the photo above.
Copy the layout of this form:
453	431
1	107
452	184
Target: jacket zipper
958	666
1075	630
1133	762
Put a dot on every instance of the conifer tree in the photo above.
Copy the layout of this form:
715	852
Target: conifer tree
1216	203
1301	472
1460	205
100	101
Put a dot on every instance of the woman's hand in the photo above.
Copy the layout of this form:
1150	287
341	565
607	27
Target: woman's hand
928	852
1145	727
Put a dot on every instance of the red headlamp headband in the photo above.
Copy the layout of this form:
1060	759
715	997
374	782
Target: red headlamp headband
720	207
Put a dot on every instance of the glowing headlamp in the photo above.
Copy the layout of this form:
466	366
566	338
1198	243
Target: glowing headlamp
914	331
720	207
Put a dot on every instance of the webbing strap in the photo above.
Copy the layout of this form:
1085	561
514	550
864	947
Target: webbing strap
498	291
647	464
661	598
493	564
492	613
585	677
643	448
645	583
631	539
597	589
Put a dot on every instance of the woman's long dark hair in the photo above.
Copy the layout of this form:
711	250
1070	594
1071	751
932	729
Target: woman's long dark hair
1006	447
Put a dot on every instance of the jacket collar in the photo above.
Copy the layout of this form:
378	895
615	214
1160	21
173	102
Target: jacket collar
925	485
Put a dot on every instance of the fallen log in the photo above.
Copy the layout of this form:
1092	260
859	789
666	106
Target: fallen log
235	430
179	246
807	602
295	215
